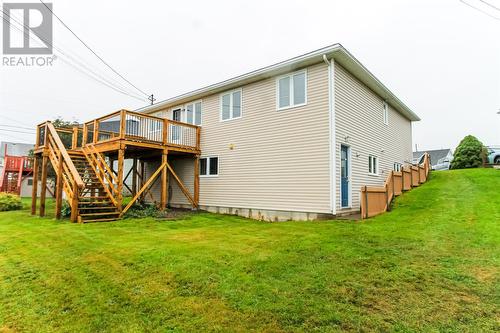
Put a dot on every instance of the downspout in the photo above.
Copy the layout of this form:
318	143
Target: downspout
332	142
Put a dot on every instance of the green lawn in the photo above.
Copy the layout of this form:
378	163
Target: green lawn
432	264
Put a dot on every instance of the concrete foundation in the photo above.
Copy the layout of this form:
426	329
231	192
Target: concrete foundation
267	215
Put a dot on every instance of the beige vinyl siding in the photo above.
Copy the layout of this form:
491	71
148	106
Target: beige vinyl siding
184	169
360	125
279	160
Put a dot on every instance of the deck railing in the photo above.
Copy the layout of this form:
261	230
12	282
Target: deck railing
127	125
18	163
71	137
376	200
134	126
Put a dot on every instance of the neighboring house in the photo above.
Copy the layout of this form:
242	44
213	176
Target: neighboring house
15	168
294	140
438	157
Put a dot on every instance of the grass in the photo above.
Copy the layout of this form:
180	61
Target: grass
432	265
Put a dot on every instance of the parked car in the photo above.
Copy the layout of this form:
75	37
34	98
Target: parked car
442	164
493	155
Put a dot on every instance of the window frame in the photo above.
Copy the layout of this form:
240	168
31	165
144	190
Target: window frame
385	114
375	164
277	89
231	104
184	114
397	166
208	175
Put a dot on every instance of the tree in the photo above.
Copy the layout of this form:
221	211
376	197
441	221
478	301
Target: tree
470	153
66	138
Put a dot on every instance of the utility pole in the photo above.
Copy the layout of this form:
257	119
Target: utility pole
152	99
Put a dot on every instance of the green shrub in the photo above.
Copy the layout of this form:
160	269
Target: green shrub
138	211
470	153
65	209
10	201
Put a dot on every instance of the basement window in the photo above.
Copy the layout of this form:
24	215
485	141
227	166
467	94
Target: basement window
372	165
398	166
209	166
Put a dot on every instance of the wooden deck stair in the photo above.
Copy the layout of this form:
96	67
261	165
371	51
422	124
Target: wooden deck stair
82	158
94	204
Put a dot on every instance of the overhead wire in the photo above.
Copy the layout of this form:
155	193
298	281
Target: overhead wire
482	11
490	5
18	127
97	77
91	50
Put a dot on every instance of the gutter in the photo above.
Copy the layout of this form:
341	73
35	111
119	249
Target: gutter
331	127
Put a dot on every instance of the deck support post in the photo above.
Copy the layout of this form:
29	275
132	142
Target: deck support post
59	186
111	167
74	202
134	177
34	193
121	155
197	180
164	181
142	173
43	185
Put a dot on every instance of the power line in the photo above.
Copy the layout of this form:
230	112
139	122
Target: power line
14	131
14	120
119	89
478	9
20	127
88	47
113	85
489	4
22	140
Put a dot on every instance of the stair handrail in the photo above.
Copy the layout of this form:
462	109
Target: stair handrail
65	156
107	185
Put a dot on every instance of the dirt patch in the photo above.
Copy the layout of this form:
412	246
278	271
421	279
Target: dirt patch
485	274
175	214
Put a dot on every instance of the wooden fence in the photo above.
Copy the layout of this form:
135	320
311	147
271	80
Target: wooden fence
377	200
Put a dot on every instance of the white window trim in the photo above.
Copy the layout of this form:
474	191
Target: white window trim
208	166
385	114
399	166
230	92
376	166
290	75
184	112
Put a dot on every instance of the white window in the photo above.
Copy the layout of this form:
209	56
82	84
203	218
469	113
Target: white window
386	114
397	166
372	165
230	105
291	90
193	113
209	166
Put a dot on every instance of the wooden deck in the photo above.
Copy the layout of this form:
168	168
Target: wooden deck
89	151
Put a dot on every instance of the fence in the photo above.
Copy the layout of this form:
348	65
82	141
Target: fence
377	200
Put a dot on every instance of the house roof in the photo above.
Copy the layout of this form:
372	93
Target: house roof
434	155
335	51
15	149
